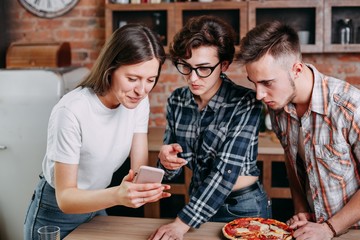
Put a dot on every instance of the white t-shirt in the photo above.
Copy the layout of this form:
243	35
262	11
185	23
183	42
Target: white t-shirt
85	132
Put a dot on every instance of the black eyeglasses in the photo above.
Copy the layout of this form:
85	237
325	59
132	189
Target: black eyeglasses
202	72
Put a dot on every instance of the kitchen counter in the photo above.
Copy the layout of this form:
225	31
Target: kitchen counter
267	142
112	227
269	152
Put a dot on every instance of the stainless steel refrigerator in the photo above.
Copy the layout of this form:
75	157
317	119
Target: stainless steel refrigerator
26	99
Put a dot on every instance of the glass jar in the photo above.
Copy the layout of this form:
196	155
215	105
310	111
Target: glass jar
346	31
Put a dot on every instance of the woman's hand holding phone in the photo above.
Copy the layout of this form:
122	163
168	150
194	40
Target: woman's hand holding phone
142	187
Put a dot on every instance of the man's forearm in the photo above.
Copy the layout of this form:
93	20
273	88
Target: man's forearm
348	215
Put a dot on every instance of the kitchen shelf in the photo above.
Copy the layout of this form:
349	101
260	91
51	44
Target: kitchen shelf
119	14
319	17
334	12
235	13
174	15
301	15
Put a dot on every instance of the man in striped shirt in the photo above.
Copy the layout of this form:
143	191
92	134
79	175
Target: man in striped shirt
317	120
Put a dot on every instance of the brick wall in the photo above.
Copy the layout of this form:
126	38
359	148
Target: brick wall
84	28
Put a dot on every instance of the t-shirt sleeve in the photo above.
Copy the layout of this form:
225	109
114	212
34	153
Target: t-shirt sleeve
64	142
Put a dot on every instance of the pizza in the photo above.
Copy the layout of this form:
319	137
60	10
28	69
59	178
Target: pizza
257	229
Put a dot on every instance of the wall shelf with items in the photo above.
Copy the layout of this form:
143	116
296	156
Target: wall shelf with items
235	13
342	26
305	15
174	15
158	17
318	18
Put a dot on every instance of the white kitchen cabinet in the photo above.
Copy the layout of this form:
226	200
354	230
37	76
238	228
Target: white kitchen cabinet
26	100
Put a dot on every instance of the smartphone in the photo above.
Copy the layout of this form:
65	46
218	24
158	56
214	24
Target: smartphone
147	174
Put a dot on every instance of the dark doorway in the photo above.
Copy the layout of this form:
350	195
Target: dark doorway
4	33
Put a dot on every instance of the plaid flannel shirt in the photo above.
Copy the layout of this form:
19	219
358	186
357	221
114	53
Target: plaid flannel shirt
220	143
331	129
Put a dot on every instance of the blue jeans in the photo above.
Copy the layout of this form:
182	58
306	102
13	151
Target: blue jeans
250	204
43	210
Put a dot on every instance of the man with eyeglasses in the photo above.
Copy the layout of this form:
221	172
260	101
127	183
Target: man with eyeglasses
212	128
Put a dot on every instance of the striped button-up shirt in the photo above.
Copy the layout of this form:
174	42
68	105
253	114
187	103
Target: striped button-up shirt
219	142
331	129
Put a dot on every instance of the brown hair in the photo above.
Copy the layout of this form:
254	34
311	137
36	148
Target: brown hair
130	44
275	38
204	31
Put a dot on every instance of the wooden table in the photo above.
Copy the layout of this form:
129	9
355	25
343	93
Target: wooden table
129	228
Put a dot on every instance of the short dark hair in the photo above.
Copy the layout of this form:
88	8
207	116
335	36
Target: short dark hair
130	44
275	38
200	31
